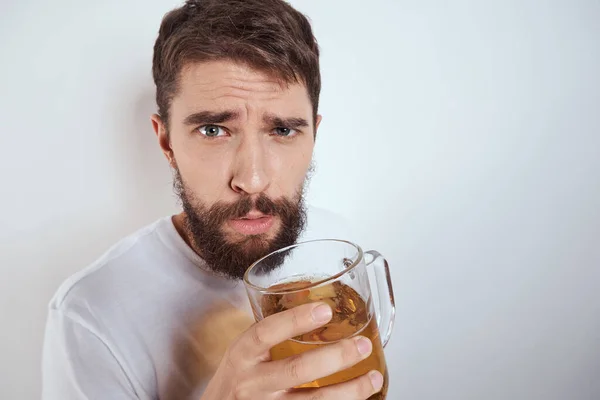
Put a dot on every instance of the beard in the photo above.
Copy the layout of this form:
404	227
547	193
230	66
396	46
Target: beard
204	225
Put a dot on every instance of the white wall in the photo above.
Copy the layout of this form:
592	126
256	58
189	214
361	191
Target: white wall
467	134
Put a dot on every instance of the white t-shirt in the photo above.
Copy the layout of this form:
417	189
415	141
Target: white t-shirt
146	320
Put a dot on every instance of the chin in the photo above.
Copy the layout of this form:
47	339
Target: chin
252	242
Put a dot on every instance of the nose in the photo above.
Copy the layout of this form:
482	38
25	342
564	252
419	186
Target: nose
250	174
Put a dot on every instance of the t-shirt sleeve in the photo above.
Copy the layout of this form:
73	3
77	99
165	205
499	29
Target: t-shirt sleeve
77	364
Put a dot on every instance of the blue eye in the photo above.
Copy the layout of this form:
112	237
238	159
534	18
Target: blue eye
211	131
285	132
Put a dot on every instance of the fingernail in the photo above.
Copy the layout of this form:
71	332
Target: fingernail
322	313
376	380
363	345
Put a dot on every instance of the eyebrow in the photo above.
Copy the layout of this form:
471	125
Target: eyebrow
210	117
291	122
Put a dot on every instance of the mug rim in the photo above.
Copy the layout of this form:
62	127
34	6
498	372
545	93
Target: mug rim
264	290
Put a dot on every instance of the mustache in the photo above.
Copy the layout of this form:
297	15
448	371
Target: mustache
221	212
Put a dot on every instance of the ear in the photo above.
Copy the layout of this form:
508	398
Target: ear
317	123
162	135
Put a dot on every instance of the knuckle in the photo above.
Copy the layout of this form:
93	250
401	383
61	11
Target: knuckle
235	345
257	335
241	394
230	363
294	367
233	354
296	318
241	391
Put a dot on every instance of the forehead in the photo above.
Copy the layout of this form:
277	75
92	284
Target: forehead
225	85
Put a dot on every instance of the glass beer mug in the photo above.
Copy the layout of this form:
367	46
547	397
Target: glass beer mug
335	272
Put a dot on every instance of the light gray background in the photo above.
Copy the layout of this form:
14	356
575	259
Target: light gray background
461	138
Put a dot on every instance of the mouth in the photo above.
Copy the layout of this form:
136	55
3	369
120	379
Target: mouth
253	223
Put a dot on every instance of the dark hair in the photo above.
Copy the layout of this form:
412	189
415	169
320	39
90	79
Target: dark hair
268	35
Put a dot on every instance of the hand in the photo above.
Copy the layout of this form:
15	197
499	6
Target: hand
246	371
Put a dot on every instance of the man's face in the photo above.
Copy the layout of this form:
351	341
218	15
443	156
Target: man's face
241	145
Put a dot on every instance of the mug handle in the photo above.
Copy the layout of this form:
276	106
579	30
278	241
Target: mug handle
383	282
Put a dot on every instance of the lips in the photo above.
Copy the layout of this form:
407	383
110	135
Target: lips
252	224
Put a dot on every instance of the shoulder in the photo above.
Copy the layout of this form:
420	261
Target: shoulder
104	278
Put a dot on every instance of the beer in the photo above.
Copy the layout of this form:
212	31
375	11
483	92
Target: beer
351	316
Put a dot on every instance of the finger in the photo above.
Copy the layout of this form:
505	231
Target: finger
360	388
277	328
314	364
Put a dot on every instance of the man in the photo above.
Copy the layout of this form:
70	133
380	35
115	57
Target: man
163	314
